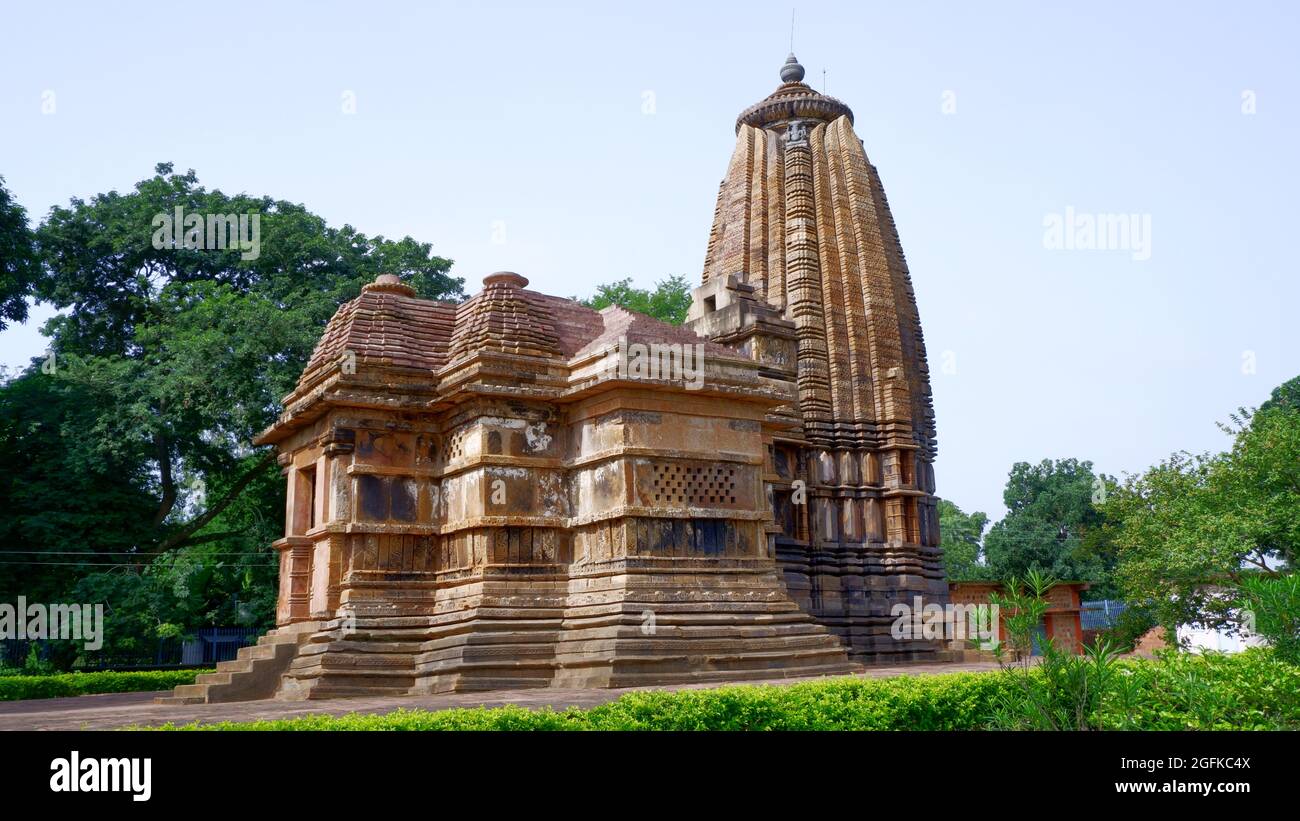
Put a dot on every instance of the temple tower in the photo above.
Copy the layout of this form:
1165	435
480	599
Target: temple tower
805	272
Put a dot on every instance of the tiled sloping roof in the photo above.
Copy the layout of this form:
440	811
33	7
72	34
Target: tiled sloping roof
575	323
502	318
387	327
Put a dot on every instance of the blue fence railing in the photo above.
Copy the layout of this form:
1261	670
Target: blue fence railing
204	649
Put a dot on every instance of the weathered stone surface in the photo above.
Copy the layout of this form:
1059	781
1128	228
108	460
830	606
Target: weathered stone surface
518	491
805	272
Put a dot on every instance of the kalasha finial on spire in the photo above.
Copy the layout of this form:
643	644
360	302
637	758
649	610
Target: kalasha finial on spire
390	283
791	72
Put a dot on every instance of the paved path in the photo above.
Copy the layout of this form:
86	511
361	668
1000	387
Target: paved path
112	710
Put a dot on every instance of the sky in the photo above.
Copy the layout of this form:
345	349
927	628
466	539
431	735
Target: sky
581	144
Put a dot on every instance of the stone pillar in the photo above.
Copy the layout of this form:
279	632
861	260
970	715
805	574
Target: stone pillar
294	602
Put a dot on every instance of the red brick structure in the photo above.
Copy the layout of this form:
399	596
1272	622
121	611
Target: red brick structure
1061	622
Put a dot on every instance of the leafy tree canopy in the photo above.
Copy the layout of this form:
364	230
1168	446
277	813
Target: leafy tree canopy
134	440
1052	525
190	350
1193	524
1288	393
18	265
669	300
960	535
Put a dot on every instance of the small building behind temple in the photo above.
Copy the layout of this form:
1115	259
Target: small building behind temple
1061	622
520	491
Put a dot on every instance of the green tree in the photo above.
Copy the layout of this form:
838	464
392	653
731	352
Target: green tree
70	503
194	348
18	263
669	300
129	453
1274	605
960	534
1191	528
1052	525
1288	393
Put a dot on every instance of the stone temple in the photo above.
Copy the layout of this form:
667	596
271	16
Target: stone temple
519	491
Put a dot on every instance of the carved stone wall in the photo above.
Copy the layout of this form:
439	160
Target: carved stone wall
485	495
571	526
803	237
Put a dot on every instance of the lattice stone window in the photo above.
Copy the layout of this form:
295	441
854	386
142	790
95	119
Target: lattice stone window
456	447
697	485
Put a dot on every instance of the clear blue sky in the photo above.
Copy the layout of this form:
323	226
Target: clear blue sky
533	117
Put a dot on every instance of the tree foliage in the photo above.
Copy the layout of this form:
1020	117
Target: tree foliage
135	440
1052	525
1274	607
960	535
669	300
1287	394
1192	527
18	263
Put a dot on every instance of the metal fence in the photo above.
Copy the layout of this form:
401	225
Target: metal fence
1101	615
204	649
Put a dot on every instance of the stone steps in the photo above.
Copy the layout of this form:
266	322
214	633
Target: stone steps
254	673
706	627
606	646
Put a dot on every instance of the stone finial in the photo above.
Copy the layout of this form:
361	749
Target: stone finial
791	72
505	278
390	283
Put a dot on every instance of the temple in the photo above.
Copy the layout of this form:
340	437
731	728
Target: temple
519	491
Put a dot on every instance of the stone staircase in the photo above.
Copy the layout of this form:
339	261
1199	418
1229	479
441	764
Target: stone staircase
484	651
253	674
363	659
654	627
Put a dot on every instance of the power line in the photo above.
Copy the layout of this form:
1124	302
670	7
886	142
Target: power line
107	553
104	564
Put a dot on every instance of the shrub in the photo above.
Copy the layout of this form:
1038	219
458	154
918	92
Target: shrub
1065	691
1251	690
1275	605
17	688
955	701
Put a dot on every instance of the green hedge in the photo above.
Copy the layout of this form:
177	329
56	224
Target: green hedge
17	688
1253	690
1247	691
943	702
